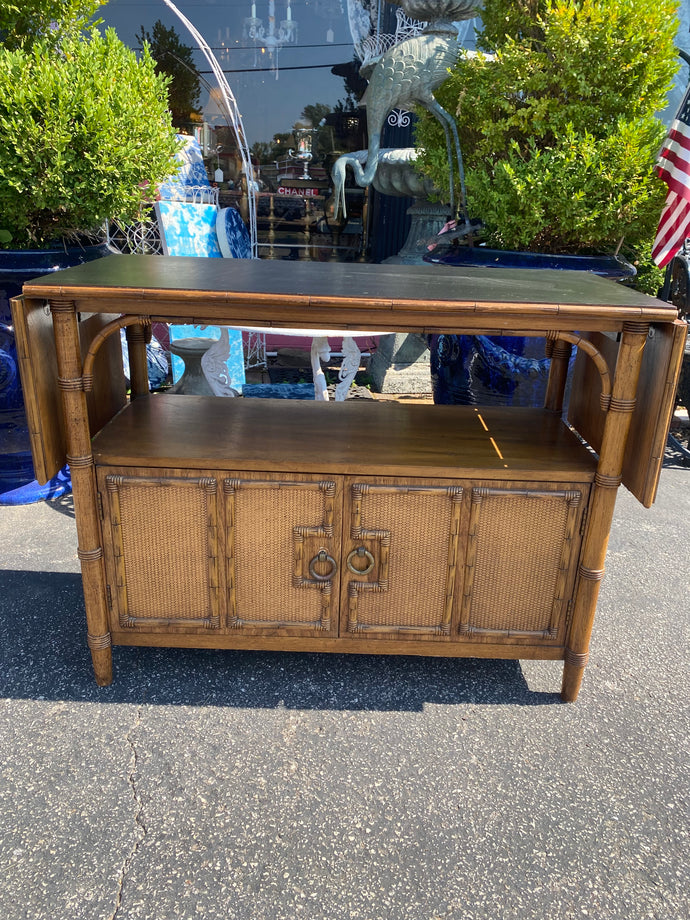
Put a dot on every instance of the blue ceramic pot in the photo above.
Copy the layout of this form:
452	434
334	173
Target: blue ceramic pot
614	267
502	370
17	482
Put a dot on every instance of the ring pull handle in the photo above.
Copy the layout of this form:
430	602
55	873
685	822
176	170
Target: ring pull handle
322	556
363	554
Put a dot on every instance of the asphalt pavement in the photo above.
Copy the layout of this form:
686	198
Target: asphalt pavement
270	786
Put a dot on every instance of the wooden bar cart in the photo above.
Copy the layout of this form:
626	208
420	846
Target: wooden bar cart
363	526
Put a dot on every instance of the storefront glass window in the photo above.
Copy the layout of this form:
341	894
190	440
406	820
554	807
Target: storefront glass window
293	68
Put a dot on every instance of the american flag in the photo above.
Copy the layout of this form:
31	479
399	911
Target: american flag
673	166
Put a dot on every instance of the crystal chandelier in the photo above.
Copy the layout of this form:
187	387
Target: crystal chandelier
270	38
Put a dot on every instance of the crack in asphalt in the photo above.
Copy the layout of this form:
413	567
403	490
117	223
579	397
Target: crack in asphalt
139	823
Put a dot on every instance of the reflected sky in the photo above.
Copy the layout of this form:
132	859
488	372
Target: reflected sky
270	100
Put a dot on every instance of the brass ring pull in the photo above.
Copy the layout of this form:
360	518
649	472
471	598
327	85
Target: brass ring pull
360	553
322	556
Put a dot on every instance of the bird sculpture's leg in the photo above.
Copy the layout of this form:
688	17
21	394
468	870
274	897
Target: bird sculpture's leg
451	176
339	175
364	177
320	351
447	121
461	168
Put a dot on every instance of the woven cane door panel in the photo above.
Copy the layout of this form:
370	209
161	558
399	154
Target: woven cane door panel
164	552
523	546
400	559
282	555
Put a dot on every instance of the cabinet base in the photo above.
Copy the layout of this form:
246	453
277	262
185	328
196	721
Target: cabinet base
572	675
359	646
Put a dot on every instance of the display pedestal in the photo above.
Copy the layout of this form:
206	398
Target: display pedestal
193	381
400	364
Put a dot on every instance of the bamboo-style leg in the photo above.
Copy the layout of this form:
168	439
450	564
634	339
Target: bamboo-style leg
138	367
606	483
80	459
559	352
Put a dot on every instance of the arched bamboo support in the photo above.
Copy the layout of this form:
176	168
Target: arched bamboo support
560	357
106	331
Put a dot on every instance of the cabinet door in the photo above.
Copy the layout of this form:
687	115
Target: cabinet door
162	551
282	554
400	559
522	552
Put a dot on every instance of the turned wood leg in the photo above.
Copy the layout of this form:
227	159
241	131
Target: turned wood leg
101	659
138	366
602	502
573	672
559	352
80	459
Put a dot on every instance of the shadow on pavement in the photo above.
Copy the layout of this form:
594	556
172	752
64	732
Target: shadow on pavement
44	656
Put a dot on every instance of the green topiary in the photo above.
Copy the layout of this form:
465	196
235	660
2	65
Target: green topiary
558	124
85	129
21	23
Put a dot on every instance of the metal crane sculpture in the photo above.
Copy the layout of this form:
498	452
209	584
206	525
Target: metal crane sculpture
406	74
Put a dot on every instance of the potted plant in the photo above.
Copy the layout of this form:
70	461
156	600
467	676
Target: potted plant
85	130
557	118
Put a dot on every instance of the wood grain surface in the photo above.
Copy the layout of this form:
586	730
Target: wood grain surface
351	295
351	437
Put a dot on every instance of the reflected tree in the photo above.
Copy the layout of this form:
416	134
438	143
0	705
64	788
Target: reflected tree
176	60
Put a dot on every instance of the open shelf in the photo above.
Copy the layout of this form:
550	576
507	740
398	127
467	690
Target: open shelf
354	437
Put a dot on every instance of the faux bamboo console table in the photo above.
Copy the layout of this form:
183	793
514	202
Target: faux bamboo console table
368	527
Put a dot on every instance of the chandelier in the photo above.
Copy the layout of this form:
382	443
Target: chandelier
269	38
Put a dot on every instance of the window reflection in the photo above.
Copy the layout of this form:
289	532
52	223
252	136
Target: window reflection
293	66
